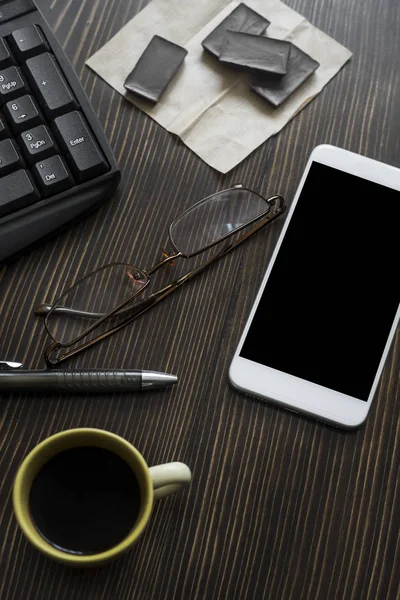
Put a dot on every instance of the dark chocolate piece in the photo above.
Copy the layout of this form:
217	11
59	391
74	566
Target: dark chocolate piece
276	90
255	53
243	19
155	68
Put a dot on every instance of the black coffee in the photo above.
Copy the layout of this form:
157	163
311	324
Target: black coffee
85	500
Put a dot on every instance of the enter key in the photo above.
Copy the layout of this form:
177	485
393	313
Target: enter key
83	154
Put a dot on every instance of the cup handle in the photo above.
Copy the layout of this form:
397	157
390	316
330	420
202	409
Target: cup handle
169	478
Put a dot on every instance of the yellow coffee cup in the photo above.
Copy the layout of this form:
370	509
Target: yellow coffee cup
153	483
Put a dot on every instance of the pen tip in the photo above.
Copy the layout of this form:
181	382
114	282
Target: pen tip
154	379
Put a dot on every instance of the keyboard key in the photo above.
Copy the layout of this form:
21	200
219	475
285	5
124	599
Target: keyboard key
6	58
10	158
4	133
80	148
17	191
37	144
12	84
22	113
27	42
54	93
53	175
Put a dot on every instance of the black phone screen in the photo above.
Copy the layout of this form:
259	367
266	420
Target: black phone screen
334	289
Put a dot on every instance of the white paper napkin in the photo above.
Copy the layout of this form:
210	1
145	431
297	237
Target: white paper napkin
209	106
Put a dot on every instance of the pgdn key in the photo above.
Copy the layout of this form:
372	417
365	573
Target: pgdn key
81	151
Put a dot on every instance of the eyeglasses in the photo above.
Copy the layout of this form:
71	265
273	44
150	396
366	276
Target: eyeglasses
111	297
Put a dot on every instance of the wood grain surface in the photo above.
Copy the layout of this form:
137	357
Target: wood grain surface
280	507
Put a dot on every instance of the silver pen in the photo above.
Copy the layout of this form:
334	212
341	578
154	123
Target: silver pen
94	381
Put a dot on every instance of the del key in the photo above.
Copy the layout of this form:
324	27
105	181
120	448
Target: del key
81	150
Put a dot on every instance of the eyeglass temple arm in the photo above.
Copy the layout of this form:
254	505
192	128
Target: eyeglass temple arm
155	298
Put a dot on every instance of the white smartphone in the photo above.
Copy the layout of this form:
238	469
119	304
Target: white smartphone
329	305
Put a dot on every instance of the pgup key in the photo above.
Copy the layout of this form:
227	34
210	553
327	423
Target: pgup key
12	84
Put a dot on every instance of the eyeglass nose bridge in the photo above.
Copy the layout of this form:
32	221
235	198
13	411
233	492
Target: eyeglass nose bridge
167	257
165	254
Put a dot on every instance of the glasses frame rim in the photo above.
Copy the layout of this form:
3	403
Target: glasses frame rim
107	315
157	296
238	188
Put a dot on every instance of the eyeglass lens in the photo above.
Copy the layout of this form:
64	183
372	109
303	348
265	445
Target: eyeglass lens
215	217
97	295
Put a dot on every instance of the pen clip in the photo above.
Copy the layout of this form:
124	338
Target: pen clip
8	364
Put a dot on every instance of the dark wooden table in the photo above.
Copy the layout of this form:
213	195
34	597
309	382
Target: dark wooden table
280	507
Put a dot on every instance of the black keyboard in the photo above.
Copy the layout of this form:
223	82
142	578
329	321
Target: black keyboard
55	162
